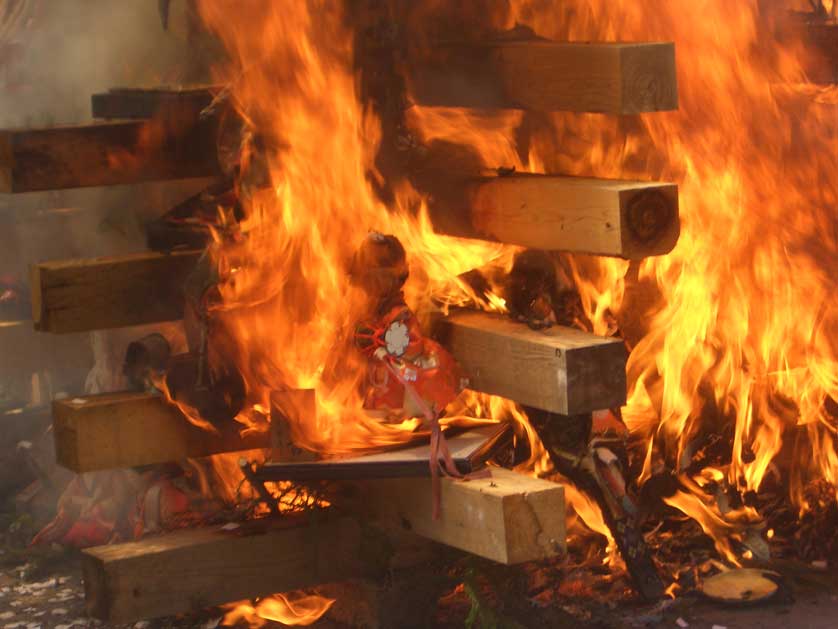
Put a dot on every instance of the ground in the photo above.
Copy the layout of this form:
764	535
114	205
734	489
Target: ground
42	589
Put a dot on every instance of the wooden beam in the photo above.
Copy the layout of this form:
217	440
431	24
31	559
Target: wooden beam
130	429
138	103
626	78
107	154
519	519
188	571
509	518
558	369
110	292
628	219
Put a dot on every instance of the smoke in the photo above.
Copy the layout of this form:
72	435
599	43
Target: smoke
53	55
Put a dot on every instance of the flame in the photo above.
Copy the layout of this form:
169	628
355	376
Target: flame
741	336
743	329
292	609
288	308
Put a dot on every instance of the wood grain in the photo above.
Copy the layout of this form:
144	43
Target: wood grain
107	154
509	517
559	369
627	219
116	430
188	571
110	292
614	78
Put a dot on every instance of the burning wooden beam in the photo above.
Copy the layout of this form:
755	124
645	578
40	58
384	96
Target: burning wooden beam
628	78
191	570
509	518
629	219
130	429
110	292
558	369
107	154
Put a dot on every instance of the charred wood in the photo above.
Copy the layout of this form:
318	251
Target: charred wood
142	103
543	75
107	154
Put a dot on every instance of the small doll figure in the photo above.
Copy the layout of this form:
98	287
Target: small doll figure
409	375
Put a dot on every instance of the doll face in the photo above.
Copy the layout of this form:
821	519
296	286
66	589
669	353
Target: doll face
379	266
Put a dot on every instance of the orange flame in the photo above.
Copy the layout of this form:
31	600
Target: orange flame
292	609
744	326
288	307
748	306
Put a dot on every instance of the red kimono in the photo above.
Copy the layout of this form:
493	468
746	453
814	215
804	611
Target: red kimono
395	337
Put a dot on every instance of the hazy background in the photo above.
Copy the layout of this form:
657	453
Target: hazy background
53	55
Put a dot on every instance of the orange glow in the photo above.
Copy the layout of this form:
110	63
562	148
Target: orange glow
288	309
292	609
748	312
743	330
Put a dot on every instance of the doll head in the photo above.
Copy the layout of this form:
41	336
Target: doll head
379	266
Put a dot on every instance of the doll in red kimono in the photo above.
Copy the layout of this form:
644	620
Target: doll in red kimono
408	375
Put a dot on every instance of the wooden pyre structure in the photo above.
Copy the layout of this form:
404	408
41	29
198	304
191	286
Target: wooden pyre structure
160	134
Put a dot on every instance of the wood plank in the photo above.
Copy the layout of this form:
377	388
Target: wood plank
131	429
188	571
519	518
107	154
629	219
558	369
110	292
138	103
614	78
509	518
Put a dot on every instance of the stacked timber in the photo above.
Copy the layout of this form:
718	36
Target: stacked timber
508	518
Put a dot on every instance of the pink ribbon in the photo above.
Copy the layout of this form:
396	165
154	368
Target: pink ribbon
440	460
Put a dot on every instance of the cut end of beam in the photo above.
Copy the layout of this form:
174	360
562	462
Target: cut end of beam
627	219
508	517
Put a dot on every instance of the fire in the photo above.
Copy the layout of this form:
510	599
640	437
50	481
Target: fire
747	311
741	337
293	609
288	306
